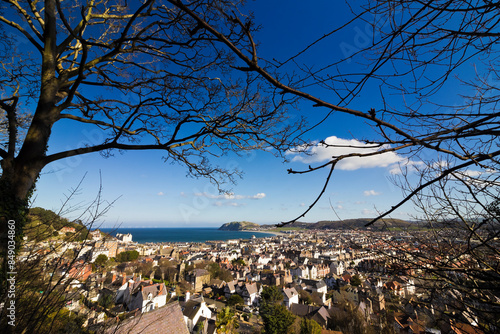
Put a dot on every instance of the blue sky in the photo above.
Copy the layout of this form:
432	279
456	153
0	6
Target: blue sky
152	193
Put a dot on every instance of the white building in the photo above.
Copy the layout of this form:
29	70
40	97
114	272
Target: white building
291	296
95	252
124	237
337	268
193	310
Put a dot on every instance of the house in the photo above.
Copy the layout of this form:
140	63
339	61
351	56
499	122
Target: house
124	237
290	296
142	295
300	272
318	286
337	268
147	297
403	323
110	245
95	252
193	310
317	313
313	271
197	278
249	292
80	271
230	288
394	287
67	229
95	234
168	319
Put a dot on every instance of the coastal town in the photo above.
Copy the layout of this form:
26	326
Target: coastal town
330	281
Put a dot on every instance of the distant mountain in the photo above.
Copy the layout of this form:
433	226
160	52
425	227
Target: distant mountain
349	224
238	226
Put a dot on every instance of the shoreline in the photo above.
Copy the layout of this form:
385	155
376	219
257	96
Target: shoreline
139	236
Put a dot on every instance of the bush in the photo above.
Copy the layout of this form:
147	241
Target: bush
235	300
127	256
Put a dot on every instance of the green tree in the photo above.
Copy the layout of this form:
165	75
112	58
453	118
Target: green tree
106	301
356	280
271	295
277	319
235	300
156	76
305	297
217	272
226	321
309	326
127	256
101	260
238	261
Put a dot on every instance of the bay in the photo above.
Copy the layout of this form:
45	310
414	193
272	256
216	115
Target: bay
182	234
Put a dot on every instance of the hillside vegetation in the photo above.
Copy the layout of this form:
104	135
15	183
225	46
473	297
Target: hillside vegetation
239	226
43	224
349	224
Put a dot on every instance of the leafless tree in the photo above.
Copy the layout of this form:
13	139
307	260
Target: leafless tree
48	266
154	75
435	65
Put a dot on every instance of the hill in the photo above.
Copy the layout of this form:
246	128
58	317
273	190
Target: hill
45	224
349	224
239	226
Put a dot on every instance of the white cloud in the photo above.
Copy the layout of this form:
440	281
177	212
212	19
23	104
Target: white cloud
370	193
258	196
337	146
230	196
160	193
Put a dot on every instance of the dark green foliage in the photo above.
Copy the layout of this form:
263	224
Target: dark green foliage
309	326
107	301
277	319
305	297
101	260
238	261
42	224
355	280
226	321
235	300
127	256
217	272
316	298
271	294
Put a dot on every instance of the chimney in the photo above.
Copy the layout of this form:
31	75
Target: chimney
188	295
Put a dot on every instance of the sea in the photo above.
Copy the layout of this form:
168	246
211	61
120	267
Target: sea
181	234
